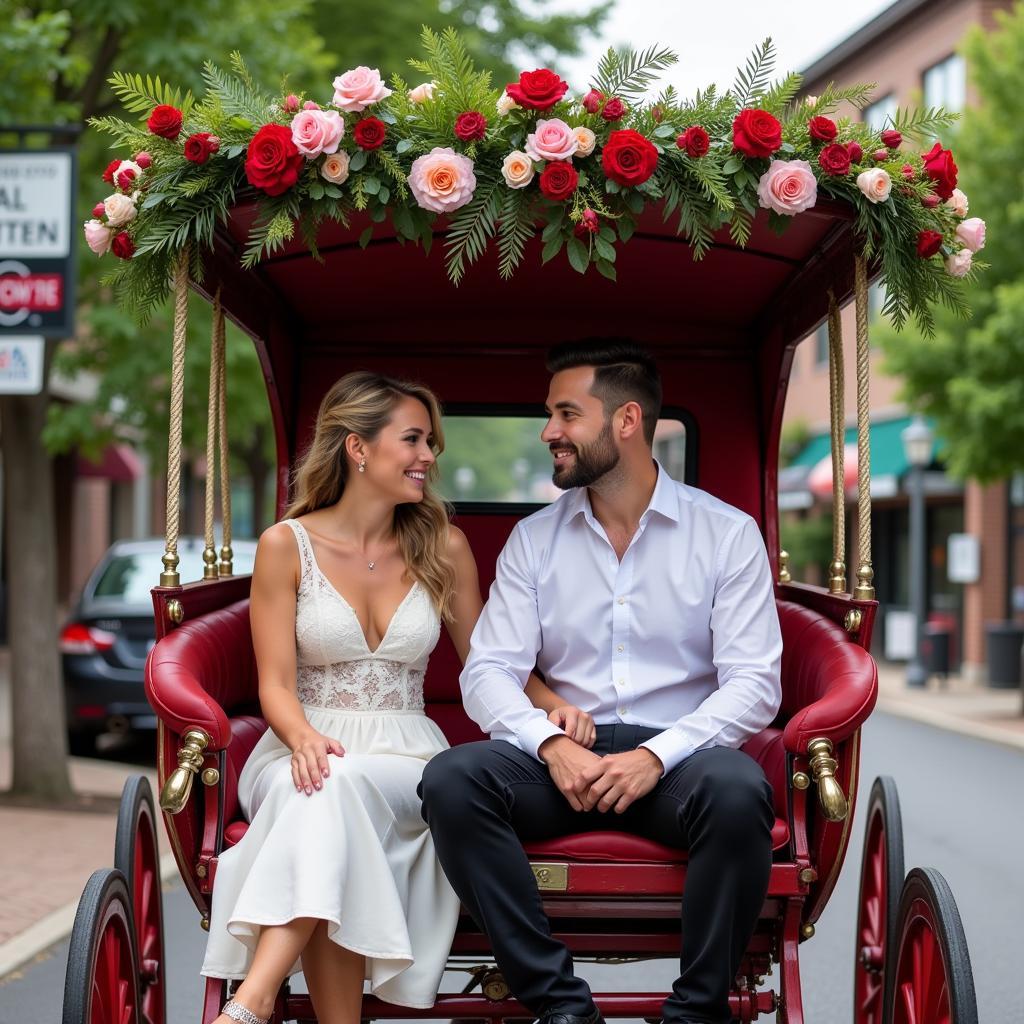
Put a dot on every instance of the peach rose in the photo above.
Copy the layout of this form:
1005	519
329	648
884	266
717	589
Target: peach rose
959	263
875	184
586	140
424	91
358	89
788	187
552	139
957	202
506	104
517	169
335	168
442	180
120	209
317	131
98	236
972	233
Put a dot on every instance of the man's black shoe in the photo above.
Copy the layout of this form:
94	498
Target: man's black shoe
568	1018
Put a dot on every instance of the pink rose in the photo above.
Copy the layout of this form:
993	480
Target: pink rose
291	103
788	187
442	180
959	263
358	89
875	184
423	91
311	105
317	131
551	140
98	237
957	202
972	233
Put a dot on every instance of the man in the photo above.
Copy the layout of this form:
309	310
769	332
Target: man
650	605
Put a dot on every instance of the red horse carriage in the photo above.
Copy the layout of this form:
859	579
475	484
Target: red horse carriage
723	329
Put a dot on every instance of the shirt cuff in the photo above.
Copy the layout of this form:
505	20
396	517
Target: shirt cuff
669	749
535	732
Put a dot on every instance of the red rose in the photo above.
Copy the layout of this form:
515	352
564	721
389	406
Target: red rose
756	133
856	151
695	141
892	138
939	166
823	129
537	90
908	172
930	201
835	159
143	159
592	101
928	243
165	121
369	133
628	158
99	210
471	125
880	155
200	147
658	114
123	245
558	180
614	110
588	224
272	162
108	174
125	178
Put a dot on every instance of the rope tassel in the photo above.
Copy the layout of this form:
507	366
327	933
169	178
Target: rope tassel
865	590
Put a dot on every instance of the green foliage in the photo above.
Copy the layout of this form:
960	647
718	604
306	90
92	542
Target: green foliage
808	541
753	78
629	75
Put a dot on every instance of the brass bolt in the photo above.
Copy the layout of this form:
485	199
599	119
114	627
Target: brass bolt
175	611
201	871
808	875
852	620
801	780
210	776
807	931
204	923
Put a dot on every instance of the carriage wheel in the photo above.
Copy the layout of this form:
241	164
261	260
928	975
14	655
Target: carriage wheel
137	857
930	969
881	878
102	981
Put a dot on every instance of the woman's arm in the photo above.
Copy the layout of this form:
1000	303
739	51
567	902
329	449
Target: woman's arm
272	617
466	608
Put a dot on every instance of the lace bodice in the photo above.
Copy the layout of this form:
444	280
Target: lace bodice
335	667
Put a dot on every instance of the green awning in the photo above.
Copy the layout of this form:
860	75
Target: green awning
887	456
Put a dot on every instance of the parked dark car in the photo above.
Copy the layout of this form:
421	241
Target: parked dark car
105	642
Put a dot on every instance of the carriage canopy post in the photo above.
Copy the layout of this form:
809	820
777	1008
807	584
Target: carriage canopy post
210	570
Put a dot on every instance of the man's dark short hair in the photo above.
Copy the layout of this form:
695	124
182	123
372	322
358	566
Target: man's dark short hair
623	372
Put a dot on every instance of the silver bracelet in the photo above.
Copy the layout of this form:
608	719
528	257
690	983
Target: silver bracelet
236	1011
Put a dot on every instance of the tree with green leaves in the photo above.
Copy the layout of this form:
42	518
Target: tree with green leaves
970	376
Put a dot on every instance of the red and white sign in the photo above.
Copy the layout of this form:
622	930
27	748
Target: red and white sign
24	292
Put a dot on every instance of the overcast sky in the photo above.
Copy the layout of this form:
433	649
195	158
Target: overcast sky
712	39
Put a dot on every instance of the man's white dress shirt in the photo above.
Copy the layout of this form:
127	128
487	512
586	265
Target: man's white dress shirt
682	635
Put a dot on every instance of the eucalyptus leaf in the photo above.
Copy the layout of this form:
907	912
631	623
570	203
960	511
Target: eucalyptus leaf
364	238
371	185
358	161
604	249
606	269
552	248
579	255
404	145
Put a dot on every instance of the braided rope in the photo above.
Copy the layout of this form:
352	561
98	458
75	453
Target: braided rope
864	590
837	413
212	420
170	577
226	555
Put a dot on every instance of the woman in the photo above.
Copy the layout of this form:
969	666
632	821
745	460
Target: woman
337	871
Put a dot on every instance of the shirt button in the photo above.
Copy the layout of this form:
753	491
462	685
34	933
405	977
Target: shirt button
622	682
622	600
620	648
621	712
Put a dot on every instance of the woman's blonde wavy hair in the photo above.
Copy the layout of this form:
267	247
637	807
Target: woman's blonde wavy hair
362	403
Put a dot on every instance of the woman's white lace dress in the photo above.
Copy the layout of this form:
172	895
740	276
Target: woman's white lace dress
356	853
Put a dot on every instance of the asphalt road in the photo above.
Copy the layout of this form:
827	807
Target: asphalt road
961	801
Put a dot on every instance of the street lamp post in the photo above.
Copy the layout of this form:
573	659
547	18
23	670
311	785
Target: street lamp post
917	445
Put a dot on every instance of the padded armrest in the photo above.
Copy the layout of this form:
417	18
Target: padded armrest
829	683
205	668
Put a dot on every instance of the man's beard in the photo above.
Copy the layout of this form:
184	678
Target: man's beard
591	462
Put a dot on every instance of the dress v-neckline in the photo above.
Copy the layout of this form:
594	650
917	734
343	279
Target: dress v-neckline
341	597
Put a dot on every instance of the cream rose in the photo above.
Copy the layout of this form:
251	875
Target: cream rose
506	104
119	209
959	263
552	139
358	89
586	140
98	236
442	180
517	169
972	233
957	202
335	168
424	91
788	187
875	184
317	131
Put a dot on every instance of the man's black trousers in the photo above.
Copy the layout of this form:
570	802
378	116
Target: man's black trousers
483	800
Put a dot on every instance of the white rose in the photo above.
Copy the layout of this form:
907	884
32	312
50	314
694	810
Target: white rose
957	202
505	104
335	168
875	184
422	92
959	263
517	169
119	209
586	139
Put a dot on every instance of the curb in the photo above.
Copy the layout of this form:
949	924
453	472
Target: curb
55	927
951	723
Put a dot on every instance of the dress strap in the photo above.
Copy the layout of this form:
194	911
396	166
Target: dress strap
305	549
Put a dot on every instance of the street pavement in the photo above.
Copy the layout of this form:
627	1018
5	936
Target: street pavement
959	766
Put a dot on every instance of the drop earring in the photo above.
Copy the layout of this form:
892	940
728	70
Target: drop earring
362	466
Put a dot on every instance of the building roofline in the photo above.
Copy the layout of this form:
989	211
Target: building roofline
859	40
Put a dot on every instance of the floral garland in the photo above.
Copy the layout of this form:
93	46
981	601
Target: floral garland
501	165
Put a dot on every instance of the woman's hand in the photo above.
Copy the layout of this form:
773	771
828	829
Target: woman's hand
576	724
309	761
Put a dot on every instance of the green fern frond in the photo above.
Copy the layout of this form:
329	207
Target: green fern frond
141	95
234	97
126	135
752	79
629	75
782	93
923	124
514	231
471	229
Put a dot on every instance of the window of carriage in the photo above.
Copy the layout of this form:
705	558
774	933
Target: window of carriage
500	459
945	84
880	113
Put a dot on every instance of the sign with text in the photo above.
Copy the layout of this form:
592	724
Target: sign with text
37	252
21	365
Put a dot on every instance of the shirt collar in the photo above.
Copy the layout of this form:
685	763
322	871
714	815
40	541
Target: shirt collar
664	500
